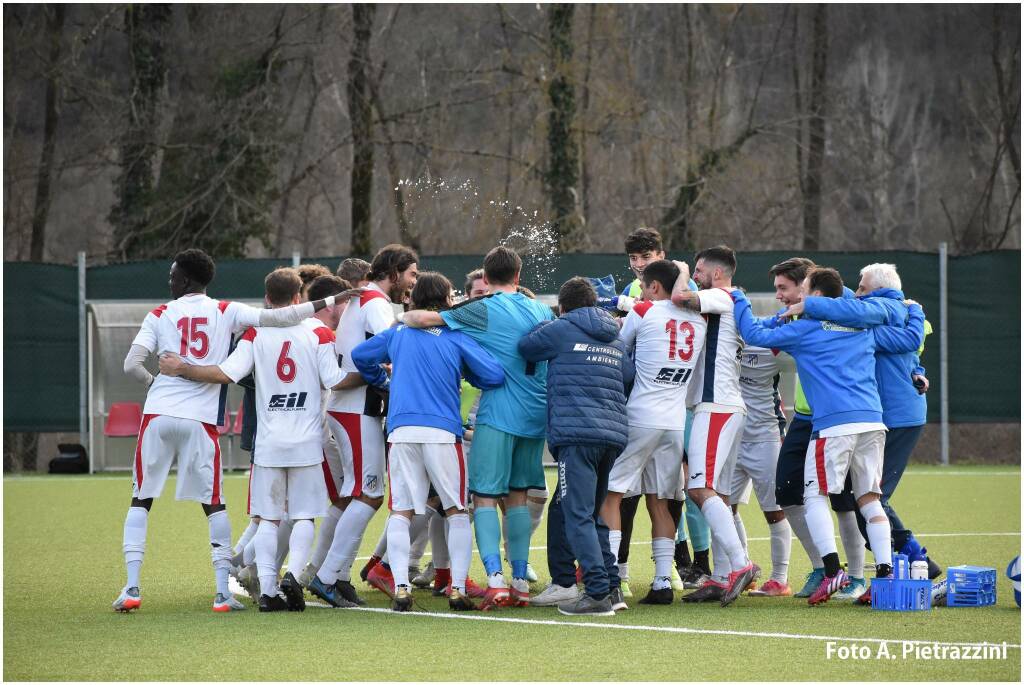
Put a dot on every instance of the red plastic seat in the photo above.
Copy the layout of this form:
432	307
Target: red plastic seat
124	420
237	428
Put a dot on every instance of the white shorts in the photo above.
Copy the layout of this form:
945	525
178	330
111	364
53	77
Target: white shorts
413	467
287	492
714	444
829	460
755	464
361	441
334	473
164	440
651	463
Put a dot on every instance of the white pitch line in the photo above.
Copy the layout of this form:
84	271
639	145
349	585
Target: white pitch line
658	629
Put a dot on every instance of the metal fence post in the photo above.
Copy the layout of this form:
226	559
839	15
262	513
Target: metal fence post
944	349
83	374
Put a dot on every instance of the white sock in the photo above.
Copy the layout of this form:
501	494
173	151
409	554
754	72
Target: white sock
299	544
720	566
220	548
782	542
853	543
325	537
381	550
879	532
134	542
417	539
284	533
723	531
741	531
351	526
249	553
536	514
265	541
247	534
438	540
796	516
662	550
398	548
614	542
819	524
460	549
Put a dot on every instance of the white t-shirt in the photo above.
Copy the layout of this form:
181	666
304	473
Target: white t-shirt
717	377
666	342
759	384
291	366
198	329
362	319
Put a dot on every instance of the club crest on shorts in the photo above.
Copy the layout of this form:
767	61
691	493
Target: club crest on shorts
370	483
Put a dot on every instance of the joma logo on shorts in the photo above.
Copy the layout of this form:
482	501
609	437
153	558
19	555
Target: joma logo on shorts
290	402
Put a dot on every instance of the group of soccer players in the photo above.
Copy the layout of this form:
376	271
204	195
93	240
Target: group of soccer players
439	400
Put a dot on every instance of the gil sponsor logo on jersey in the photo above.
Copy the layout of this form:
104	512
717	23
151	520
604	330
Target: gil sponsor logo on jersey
290	402
673	376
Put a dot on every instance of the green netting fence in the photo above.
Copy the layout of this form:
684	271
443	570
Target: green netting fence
41	388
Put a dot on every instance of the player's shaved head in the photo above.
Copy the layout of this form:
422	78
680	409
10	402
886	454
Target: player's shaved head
282	285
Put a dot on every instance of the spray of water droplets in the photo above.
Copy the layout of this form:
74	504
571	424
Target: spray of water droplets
523	230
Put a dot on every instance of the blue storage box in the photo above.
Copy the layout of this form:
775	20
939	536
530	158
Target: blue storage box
901	594
971	586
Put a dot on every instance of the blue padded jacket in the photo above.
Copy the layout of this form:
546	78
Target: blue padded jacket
589	374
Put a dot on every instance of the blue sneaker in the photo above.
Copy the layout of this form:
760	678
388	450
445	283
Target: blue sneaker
856	588
329	593
814	579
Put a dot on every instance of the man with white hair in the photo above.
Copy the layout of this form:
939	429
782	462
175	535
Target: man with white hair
900	377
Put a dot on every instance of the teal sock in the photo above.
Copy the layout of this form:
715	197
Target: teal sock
700	533
488	537
519	525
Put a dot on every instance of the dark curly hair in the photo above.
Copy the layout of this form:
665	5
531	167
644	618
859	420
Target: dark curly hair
197	266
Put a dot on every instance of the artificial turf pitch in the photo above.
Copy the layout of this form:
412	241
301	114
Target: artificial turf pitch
63	567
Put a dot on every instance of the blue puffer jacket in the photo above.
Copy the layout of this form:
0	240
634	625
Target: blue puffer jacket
589	375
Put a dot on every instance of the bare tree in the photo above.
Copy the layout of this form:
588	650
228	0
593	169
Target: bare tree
360	109
54	32
817	109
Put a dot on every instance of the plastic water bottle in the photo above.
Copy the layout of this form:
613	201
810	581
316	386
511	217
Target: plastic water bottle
919	569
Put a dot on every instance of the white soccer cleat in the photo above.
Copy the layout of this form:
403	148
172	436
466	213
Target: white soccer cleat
129	600
425	578
531	575
250	583
553	595
223	605
307	575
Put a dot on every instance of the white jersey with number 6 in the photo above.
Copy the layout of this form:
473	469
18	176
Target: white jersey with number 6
666	342
198	329
292	364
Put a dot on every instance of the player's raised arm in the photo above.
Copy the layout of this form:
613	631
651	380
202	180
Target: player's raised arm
753	332
901	340
541	343
247	316
847	311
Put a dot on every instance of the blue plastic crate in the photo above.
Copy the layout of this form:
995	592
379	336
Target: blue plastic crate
901	594
971	586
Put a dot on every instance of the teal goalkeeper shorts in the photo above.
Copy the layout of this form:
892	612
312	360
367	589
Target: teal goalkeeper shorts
500	461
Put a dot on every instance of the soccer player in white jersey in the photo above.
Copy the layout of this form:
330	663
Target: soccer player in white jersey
291	364
717	421
180	417
757	459
355	419
666	342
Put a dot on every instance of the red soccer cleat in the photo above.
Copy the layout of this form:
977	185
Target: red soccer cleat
381	578
828	586
495	597
365	571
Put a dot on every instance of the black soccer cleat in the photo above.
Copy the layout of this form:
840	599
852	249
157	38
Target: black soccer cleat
460	602
275	603
710	591
293	593
662	596
348	593
402	600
